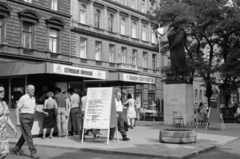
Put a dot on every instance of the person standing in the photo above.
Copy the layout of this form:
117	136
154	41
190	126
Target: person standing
131	112
68	96
25	110
62	112
83	106
119	109
4	121
75	110
49	121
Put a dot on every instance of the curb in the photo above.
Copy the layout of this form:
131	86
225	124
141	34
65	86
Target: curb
137	154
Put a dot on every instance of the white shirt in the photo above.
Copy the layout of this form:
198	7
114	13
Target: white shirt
75	100
26	104
119	106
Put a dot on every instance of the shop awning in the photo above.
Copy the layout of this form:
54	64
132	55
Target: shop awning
22	68
28	68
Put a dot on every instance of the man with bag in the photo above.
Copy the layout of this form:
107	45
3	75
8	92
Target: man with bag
119	109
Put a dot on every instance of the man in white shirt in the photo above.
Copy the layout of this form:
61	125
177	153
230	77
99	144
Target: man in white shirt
75	110
25	110
119	109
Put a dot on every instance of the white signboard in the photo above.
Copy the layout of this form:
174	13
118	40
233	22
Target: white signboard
138	78
98	108
77	71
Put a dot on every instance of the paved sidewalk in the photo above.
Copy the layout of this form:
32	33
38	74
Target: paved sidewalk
145	142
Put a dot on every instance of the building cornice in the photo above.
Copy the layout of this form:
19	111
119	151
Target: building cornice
110	38
41	8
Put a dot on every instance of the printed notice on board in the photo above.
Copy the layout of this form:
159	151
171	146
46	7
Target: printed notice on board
98	108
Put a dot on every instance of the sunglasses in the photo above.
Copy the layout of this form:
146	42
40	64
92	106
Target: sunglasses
2	91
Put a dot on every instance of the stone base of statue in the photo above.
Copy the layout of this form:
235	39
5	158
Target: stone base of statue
178	96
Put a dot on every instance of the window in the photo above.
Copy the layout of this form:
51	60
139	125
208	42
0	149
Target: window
83	14
153	37
196	95
54	4
53	40
144	59
123	55
97	18
27	35
134	29
124	2
143	6
134	4
144	32
29	1
110	22
83	47
98	50
200	95
123	26
154	62
1	28
134	57
111	53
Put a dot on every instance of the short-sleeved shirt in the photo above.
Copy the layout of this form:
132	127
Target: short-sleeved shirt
119	106
60	99
26	104
75	100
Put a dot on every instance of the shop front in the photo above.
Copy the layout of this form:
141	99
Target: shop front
15	76
142	88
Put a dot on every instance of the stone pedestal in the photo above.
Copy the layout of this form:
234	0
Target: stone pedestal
177	97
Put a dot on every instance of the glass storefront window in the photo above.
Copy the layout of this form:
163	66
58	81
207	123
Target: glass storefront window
17	90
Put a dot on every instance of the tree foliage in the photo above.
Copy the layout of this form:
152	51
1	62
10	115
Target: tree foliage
213	36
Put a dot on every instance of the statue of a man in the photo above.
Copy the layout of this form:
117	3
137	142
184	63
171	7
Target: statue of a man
176	39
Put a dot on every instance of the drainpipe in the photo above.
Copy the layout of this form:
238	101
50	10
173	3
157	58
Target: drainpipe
71	12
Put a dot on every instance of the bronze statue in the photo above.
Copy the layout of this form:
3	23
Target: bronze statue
176	38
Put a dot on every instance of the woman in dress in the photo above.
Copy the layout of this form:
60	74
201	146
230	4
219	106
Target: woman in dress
49	121
131	111
4	121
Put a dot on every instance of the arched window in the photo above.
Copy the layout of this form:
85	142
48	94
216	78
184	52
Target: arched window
144	32
111	22
83	14
97	18
134	29
123	26
5	11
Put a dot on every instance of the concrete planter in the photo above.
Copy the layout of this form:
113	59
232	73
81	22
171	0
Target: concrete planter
177	136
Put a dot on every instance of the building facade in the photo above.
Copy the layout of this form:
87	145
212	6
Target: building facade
117	37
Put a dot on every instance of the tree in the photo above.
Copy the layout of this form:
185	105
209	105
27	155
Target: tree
212	28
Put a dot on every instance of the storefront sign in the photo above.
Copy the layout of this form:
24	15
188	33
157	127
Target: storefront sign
77	71
138	78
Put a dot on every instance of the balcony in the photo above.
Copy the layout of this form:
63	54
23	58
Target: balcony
126	66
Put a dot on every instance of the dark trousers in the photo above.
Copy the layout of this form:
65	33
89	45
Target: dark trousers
120	126
26	123
74	114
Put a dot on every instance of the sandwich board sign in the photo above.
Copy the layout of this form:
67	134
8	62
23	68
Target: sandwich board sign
214	114
100	111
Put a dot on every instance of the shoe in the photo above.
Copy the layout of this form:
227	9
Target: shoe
130	127
125	139
43	138
34	155
17	152
110	138
50	137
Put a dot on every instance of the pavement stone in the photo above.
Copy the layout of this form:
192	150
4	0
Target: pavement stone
144	142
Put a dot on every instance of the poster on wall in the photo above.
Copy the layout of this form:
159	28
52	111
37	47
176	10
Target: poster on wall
100	112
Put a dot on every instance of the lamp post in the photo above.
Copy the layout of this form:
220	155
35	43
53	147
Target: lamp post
160	33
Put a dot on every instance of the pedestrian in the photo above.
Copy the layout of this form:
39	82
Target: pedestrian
68	96
49	122
62	112
158	105
4	121
201	114
83	106
25	110
75	110
131	111
119	109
